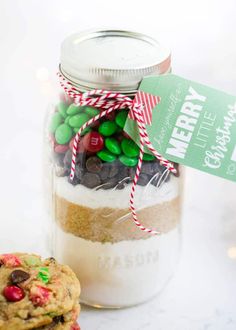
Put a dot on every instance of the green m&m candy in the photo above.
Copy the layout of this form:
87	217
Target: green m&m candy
78	120
148	157
44	275
106	156
129	148
56	120
92	112
62	107
121	118
128	161
113	145
73	109
67	120
107	128
63	134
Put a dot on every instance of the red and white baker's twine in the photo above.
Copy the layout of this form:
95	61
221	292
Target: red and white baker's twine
108	102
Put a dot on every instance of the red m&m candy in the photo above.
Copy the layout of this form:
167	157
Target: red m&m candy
13	293
93	142
10	260
39	295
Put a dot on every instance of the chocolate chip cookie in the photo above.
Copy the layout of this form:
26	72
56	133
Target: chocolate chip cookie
37	294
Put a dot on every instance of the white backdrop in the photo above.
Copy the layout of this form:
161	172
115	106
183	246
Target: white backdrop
202	35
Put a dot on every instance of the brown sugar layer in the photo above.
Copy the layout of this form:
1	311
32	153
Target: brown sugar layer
107	224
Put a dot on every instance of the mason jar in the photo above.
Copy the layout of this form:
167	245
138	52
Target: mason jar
118	264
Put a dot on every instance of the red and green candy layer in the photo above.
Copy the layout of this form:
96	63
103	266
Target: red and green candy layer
106	138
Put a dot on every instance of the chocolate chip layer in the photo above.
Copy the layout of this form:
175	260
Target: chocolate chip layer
93	173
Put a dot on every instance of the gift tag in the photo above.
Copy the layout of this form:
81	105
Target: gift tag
193	124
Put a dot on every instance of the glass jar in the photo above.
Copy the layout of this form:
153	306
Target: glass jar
118	265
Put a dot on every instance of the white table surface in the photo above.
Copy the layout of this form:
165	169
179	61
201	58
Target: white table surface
202	295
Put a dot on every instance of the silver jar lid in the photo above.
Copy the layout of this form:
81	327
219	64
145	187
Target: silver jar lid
112	59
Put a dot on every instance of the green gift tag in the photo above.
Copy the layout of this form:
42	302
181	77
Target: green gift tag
194	125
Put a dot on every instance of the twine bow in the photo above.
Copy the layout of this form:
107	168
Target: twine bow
108	102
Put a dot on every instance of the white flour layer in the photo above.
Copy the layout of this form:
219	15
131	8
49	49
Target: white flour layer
119	274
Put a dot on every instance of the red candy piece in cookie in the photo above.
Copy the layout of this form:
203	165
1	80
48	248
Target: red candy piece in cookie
39	295
13	293
75	327
9	260
93	142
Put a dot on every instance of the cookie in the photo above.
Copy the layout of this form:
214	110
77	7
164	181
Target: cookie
36	293
66	321
60	326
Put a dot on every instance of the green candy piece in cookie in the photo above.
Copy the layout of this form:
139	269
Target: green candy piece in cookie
106	156
78	120
113	145
121	118
56	120
128	161
73	109
44	275
33	261
63	134
62	107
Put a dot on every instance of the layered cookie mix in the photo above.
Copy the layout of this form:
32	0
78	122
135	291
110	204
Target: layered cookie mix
98	196
37	294
95	233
